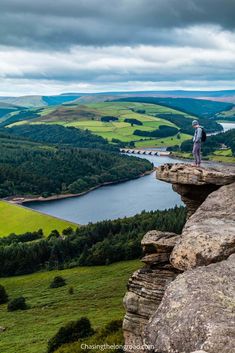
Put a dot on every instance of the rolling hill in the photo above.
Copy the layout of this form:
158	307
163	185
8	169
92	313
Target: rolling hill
51	100
201	108
98	294
6	109
17	219
62	163
39	101
118	120
91	117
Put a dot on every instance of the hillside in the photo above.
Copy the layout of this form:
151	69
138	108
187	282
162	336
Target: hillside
113	120
6	109
201	108
22	220
133	120
39	101
81	97
30	168
98	293
93	244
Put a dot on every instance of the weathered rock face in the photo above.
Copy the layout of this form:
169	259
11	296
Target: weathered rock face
209	234
197	312
147	286
186	174
195	184
193	312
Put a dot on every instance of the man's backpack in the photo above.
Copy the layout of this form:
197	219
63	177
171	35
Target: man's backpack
203	139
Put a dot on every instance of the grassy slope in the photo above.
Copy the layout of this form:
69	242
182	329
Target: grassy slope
75	116
223	156
167	141
17	219
98	294
228	114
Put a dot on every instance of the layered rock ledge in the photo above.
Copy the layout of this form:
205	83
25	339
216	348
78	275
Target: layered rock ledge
146	287
195	184
171	311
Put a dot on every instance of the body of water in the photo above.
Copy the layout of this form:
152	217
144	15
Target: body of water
228	126
114	201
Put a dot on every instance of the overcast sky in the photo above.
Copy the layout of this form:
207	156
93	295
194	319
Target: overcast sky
58	46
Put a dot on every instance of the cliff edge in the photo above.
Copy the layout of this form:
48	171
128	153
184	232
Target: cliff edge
183	299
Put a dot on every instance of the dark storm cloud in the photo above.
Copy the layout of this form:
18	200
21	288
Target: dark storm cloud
64	23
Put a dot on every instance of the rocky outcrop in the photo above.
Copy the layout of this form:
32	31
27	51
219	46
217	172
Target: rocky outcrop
209	235
168	311
147	286
195	184
197	312
189	175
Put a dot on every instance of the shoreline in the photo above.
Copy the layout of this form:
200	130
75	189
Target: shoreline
21	200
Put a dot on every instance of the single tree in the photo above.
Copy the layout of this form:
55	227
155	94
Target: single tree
3	295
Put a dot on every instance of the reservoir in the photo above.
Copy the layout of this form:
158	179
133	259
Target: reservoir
228	126
114	201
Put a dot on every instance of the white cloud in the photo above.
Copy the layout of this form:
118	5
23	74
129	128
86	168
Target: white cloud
87	68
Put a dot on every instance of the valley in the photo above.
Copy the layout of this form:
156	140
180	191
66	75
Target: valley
56	147
117	176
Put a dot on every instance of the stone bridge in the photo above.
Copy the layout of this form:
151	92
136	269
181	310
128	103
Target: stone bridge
146	152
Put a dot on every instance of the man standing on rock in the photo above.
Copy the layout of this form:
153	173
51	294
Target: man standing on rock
197	139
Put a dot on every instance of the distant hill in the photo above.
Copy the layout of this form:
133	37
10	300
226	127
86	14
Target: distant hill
6	108
81	97
198	107
39	101
24	101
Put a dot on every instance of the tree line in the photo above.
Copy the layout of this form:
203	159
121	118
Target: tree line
163	131
94	244
28	168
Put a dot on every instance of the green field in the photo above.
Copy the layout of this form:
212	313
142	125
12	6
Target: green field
167	141
17	219
223	156
98	294
88	117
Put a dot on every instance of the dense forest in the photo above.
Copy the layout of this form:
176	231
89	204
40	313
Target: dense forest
61	135
94	244
29	168
213	143
108	118
133	121
201	108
